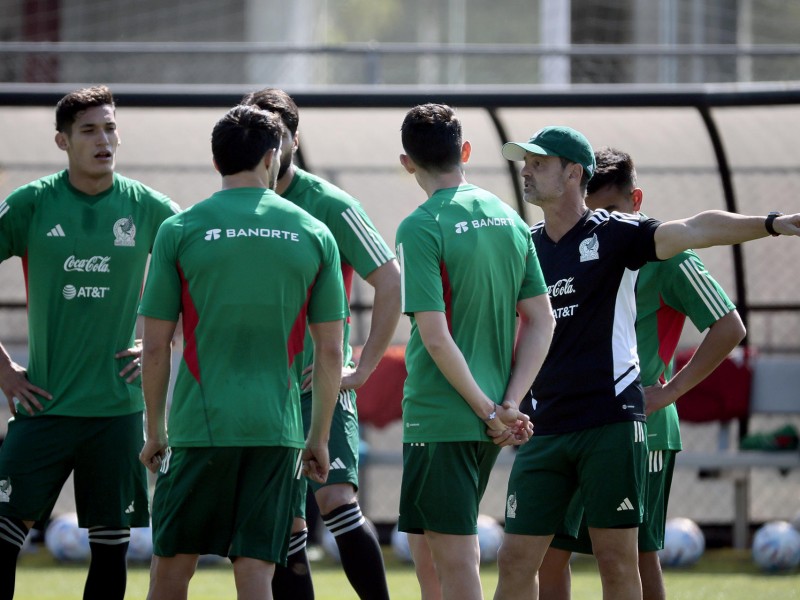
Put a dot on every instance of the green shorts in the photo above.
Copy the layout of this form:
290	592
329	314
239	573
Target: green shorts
660	467
442	487
39	453
607	464
342	446
226	501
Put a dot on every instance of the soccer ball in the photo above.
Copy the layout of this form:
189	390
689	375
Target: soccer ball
65	540
684	543
776	546
140	548
490	537
400	545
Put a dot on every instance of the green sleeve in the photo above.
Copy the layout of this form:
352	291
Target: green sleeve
328	301
419	249
162	292
689	288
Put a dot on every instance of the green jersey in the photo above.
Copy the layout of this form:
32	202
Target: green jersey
361	247
83	258
666	293
467	254
245	269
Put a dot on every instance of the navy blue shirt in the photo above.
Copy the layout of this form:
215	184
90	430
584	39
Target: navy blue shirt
591	374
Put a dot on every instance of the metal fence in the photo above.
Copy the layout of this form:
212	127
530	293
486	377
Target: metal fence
696	148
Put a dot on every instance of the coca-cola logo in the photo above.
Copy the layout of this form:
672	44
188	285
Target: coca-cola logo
95	264
562	287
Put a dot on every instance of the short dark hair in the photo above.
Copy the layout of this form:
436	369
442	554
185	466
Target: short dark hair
243	137
431	136
277	101
615	168
79	100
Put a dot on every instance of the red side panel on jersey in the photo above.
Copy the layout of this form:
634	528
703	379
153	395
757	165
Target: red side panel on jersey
190	320
347	277
670	326
447	293
297	334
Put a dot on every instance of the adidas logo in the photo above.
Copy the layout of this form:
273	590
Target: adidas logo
625	505
337	464
56	232
129	510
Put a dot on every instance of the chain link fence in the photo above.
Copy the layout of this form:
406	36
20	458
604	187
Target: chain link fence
357	148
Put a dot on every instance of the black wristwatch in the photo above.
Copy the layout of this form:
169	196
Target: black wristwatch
768	223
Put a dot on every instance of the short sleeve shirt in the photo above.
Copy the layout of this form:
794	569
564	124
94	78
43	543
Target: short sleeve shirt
467	254
361	247
84	259
590	377
245	269
666	293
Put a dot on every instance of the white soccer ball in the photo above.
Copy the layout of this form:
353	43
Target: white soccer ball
776	546
65	540
400	545
140	548
684	543
490	537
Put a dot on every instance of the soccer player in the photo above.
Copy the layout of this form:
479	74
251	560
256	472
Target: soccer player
84	235
361	249
468	268
245	269
587	402
666	293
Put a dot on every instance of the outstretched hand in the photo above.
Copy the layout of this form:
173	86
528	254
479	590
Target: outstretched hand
787	224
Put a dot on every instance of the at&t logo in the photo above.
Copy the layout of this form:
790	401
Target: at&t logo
70	292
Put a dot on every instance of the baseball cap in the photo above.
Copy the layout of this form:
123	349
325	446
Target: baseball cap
557	140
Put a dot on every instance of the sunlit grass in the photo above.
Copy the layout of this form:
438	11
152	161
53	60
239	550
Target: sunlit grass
720	574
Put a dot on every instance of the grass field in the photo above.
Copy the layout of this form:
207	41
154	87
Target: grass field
720	575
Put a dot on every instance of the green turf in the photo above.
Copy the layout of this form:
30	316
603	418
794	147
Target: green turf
720	574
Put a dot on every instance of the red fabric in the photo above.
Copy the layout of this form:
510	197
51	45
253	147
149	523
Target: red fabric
379	399
723	395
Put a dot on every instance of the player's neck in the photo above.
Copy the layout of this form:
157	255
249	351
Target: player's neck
245	179
286	179
88	184
560	217
431	182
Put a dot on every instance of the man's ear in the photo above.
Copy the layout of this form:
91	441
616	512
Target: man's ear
271	155
637	195
408	164
216	167
61	140
466	151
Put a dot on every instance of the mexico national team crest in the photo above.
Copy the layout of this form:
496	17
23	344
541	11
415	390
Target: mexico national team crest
589	248
125	232
511	506
5	490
